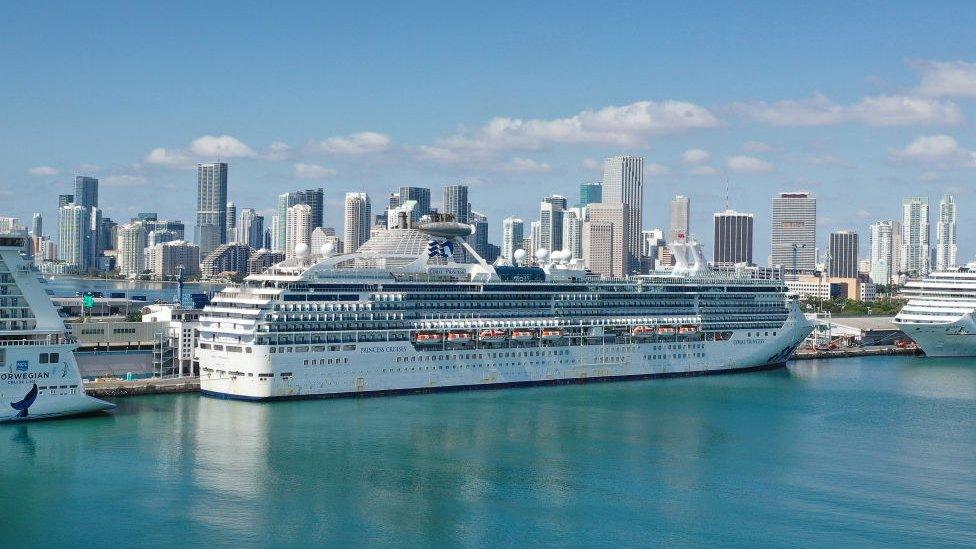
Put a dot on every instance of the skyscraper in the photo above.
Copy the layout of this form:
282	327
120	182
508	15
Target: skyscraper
86	191
885	252
422	196
251	229
74	226
298	228
512	235
456	202
313	198
573	232
842	250
946	250
231	222
65	199
211	206
551	222
132	241
733	238
794	231
479	240
590	193
37	225
679	211
623	183
915	236
535	235
605	239
357	219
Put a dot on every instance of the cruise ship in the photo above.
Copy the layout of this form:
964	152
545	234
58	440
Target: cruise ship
939	312
39	378
415	309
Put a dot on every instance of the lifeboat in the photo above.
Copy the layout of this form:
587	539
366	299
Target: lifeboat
491	336
666	330
642	331
552	334
523	335
688	330
459	337
428	338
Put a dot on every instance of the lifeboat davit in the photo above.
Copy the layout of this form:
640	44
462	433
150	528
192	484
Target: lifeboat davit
459	337
428	338
491	336
642	331
523	335
552	334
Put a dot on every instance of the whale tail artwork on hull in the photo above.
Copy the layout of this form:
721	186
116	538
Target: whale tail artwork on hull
22	405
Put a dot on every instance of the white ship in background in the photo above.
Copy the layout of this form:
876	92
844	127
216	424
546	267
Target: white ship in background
400	315
38	374
939	312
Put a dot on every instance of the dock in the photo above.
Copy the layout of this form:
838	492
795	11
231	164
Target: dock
106	388
849	352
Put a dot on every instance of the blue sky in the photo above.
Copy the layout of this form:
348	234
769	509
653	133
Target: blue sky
861	105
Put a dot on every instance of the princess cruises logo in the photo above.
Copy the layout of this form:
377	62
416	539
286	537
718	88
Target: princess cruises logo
443	248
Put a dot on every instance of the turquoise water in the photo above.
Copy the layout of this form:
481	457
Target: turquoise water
877	451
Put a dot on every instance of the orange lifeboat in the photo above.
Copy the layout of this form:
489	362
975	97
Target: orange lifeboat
459	337
552	334
688	330
666	330
491	336
523	335
642	331
428	338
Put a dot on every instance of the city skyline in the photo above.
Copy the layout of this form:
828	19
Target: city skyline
892	116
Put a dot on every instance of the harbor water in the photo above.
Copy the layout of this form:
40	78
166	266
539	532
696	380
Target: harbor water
875	451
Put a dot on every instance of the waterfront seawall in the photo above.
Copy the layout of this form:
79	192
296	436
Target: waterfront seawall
118	388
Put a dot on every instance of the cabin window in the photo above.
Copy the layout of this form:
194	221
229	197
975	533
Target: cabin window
55	357
43	358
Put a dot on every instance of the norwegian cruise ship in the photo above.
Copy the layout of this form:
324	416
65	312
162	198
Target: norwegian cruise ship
401	314
939	312
38	375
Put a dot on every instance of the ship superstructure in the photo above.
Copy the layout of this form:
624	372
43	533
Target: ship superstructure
939	312
401	314
38	375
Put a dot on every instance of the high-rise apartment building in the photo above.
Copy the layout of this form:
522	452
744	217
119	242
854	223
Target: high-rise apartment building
794	231
251	229
65	199
37	225
623	183
551	222
915	242
479	240
842	251
946	249
298	228
74	228
313	198
231	222
590	193
211	228
605	239
679	213
535	235
733	238
456	202
419	194
130	258
573	232
513	232
885	252
169	257
357	221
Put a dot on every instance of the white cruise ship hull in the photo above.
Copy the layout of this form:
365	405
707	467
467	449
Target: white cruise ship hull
397	367
949	339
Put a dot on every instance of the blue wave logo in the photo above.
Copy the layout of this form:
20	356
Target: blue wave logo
21	365
22	405
443	249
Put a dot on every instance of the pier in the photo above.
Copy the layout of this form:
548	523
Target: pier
105	388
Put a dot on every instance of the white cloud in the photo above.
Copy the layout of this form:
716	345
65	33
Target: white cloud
748	164
929	176
353	144
278	151
591	164
524	165
224	146
43	170
311	171
124	180
882	110
627	125
168	157
937	149
947	78
696	156
655	170
756	147
704	170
